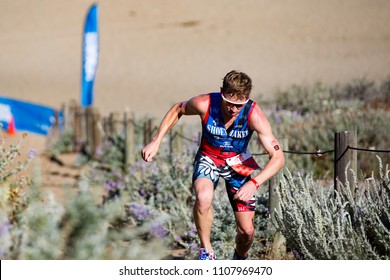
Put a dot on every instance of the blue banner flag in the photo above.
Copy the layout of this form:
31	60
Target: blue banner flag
16	115
90	55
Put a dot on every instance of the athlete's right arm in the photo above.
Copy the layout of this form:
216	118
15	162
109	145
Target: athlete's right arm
195	106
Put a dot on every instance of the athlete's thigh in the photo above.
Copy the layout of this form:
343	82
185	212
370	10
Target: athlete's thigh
245	220
204	190
204	167
233	183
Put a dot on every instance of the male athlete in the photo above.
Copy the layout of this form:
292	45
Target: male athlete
228	120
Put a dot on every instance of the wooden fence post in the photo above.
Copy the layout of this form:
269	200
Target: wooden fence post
89	129
176	141
92	117
278	247
147	131
105	126
97	131
129	130
55	130
116	123
112	124
344	156
79	128
70	110
109	127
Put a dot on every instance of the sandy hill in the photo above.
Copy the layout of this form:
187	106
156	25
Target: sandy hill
153	53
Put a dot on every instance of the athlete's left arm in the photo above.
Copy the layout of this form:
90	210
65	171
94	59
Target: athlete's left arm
259	123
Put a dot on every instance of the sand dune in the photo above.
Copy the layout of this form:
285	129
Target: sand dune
153	53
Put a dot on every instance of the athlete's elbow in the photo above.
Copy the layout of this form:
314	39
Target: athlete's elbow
281	160
179	108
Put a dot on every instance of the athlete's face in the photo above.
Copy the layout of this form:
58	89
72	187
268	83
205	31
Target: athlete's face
232	104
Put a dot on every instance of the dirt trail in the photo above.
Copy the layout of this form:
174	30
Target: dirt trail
60	175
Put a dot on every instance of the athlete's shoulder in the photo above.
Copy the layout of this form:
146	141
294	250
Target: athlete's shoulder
258	117
205	97
257	109
199	103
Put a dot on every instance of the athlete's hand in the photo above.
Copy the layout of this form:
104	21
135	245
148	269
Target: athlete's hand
149	151
246	192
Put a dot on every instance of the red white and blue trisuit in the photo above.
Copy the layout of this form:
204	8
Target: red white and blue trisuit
218	144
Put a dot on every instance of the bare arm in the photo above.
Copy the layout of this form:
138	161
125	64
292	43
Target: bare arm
195	106
260	124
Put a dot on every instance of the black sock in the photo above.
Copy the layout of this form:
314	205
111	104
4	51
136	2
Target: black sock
238	257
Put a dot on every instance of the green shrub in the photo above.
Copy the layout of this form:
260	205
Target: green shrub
309	117
147	211
352	222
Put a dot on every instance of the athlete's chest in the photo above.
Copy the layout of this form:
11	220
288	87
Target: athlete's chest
216	125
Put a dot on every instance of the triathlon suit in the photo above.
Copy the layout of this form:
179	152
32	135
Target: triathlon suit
218	144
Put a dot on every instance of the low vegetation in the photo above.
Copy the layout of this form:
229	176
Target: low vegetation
146	212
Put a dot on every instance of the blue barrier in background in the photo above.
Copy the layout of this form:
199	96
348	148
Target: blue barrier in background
26	116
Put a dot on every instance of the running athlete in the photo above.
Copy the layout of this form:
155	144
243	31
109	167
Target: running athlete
228	120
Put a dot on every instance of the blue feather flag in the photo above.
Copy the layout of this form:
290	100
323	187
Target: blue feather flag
90	55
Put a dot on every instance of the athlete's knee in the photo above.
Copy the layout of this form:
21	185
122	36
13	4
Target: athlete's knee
204	193
203	201
246	231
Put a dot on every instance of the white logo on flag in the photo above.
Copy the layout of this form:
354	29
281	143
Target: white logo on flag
5	113
91	55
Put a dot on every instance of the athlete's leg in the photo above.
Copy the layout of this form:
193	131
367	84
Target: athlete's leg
244	213
203	211
245	232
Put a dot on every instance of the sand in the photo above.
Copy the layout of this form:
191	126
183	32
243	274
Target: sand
154	53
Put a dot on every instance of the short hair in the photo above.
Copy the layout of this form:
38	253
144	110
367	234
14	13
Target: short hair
238	84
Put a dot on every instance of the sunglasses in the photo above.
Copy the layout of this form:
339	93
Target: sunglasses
229	103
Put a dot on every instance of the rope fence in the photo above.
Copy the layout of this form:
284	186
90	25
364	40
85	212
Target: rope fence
317	153
91	130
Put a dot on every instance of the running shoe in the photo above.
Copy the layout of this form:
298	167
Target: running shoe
204	255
